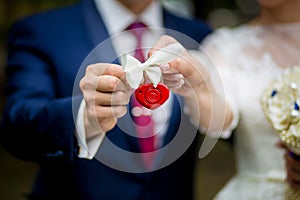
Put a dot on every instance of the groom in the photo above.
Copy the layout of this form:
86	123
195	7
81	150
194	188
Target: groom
45	54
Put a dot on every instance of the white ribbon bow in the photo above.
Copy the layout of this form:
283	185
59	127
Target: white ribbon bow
134	68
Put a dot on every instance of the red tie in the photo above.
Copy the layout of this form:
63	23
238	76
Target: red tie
137	29
141	115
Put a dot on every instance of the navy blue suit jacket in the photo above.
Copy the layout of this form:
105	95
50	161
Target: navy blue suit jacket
45	53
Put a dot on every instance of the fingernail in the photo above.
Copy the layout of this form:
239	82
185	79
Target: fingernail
178	77
180	84
165	67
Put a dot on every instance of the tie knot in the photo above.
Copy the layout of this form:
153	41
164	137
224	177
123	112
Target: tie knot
135	25
137	28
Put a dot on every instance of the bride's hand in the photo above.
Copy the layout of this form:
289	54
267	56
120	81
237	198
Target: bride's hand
292	164
293	170
183	75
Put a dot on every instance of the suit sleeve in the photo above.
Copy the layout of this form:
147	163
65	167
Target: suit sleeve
37	123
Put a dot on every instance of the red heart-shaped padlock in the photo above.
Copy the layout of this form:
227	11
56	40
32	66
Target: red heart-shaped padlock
152	97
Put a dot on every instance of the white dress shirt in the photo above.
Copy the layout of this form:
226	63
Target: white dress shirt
117	18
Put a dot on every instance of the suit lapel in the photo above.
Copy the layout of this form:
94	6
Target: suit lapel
179	30
98	34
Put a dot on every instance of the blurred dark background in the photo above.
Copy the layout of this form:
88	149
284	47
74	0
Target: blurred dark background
213	171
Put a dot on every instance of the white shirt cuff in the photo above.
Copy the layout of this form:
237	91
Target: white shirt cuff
87	147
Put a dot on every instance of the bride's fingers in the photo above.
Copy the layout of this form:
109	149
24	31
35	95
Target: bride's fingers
292	181
174	84
167	70
281	145
293	170
292	161
163	41
173	77
173	80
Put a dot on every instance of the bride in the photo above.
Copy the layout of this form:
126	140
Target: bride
248	57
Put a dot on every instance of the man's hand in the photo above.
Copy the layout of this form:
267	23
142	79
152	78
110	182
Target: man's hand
106	94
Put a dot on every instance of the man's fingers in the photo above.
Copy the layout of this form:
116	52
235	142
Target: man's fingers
104	77
106	94
106	112
115	70
100	69
116	112
108	83
118	98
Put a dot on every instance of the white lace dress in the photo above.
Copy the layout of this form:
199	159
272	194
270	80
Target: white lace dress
248	57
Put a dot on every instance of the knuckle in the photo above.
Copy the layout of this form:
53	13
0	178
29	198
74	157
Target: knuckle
84	84
90	69
120	98
112	83
176	62
111	68
88	98
123	111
